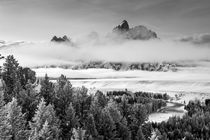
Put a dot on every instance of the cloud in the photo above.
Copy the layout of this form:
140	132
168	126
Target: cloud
197	39
105	49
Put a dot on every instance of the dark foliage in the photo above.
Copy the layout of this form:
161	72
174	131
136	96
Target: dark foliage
195	125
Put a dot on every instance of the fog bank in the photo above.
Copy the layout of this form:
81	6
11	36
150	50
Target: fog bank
105	49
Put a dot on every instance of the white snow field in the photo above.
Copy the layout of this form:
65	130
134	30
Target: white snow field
188	83
186	80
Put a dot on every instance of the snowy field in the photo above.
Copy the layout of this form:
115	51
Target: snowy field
187	84
186	80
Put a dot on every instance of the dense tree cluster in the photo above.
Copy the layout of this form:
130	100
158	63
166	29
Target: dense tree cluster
127	66
117	66
195	125
59	111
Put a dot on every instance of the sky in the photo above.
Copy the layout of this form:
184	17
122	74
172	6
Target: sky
38	20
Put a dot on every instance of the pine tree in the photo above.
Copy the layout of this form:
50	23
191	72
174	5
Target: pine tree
45	133
122	132
90	126
100	98
26	75
10	76
107	125
114	112
140	135
13	122
28	99
140	114
44	113
81	103
2	103
78	134
2	113
69	122
62	81
1	57
46	90
124	107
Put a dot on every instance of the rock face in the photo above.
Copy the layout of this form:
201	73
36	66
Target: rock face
123	27
60	39
136	33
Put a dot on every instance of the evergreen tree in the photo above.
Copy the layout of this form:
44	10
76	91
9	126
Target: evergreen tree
38	125
45	133
137	118
114	112
107	125
13	122
124	107
69	122
100	98
81	103
2	113
28	99
26	75
1	57
140	135
91	127
139	114
46	90
62	81
122	131
62	96
78	134
2	103
10	76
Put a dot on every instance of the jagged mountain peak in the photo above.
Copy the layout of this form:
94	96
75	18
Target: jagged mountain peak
139	32
124	26
61	39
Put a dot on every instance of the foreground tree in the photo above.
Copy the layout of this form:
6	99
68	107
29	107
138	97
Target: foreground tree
45	123
140	135
69	122
13	122
29	100
26	75
46	90
10	76
78	134
91	127
1	57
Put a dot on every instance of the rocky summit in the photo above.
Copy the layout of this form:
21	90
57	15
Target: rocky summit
60	39
136	33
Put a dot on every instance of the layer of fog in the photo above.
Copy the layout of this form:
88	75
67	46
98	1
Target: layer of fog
94	48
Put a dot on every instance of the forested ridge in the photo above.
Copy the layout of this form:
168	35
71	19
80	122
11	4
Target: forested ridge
59	111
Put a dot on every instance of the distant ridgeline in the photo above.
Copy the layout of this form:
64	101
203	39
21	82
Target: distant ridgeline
136	33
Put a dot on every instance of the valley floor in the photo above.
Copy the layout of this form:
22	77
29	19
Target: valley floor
186	84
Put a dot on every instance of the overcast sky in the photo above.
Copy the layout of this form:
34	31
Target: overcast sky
41	19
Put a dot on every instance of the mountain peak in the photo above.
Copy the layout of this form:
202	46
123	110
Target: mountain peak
136	33
124	26
60	39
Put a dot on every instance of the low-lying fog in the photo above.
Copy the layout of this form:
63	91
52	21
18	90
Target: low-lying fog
186	79
105	49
